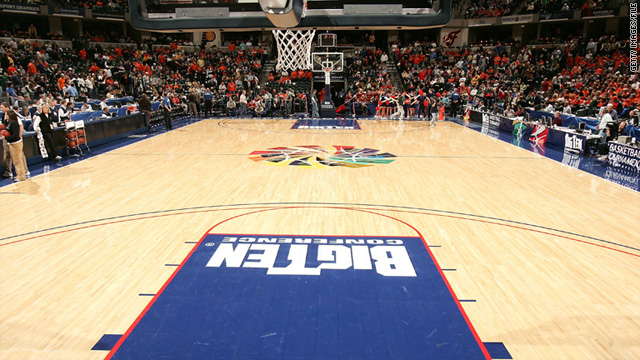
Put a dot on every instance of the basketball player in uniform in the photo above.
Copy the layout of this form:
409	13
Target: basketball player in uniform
397	101
421	112
379	107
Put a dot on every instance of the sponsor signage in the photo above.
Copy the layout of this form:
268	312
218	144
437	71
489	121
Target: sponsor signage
480	22
556	16
491	125
74	12
35	9
334	77
624	157
107	15
598	13
491	121
303	297
517	19
575	143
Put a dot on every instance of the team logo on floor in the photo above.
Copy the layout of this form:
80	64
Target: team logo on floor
268	296
313	156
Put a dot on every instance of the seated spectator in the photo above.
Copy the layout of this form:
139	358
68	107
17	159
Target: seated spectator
557	120
86	107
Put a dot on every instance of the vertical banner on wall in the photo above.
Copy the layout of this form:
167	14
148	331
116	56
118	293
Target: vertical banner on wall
211	38
454	37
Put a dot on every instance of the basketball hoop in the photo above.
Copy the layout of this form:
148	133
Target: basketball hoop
294	49
327	75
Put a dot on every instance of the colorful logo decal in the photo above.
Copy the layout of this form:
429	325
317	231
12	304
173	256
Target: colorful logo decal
328	124
208	37
451	37
314	156
538	139
539	135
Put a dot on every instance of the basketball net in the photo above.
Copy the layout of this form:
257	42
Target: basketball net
294	49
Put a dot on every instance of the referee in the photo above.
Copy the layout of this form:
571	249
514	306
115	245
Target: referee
208	102
166	110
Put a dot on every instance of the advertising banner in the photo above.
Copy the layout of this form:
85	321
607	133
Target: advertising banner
517	19
598	13
563	15
34	9
74	12
623	156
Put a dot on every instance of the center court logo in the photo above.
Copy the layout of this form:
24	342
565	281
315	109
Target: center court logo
313	156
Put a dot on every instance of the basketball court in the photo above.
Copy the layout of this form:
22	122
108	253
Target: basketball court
318	238
124	244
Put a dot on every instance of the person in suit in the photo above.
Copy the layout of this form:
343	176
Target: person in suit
44	125
557	120
144	104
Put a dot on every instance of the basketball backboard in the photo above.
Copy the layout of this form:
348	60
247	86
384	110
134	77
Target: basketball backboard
324	60
249	15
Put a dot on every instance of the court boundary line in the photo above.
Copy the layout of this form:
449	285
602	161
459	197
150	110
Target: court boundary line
549	158
213	208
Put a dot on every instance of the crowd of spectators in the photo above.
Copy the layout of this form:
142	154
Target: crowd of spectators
32	73
31	32
367	70
496	8
537	6
496	77
107	6
580	75
368	80
488	8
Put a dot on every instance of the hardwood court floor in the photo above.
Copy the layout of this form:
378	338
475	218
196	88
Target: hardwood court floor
550	254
